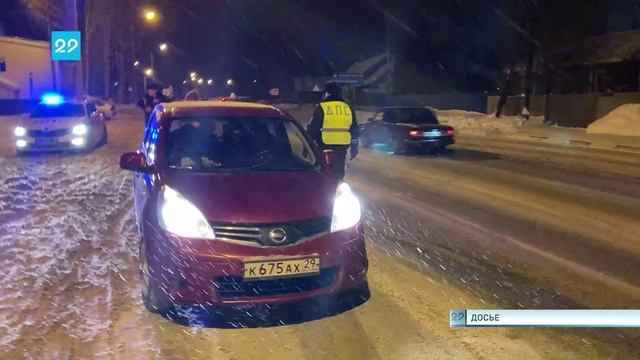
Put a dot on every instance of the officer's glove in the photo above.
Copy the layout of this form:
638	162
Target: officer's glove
354	150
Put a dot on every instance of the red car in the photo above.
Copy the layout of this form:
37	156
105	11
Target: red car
236	207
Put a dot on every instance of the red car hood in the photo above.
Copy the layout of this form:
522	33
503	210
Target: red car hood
256	197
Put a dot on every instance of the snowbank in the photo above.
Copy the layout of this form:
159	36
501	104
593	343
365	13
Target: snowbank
623	120
475	123
465	122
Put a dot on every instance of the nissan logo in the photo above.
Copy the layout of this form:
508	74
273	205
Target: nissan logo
278	235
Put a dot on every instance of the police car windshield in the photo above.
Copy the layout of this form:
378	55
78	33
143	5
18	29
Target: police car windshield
210	143
61	110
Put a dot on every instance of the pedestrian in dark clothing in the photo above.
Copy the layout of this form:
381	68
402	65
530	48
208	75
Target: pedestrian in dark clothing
192	95
333	126
150	100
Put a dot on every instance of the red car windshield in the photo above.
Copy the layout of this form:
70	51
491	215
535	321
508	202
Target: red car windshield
212	143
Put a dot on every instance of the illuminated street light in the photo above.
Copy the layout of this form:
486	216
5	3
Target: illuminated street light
229	82
200	81
210	82
193	75
148	71
150	15
136	63
184	82
163	46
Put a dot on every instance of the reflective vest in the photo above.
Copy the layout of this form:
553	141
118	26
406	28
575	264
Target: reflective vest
336	123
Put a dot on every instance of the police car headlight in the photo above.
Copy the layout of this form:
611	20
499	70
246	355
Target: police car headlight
19	131
346	209
79	129
179	216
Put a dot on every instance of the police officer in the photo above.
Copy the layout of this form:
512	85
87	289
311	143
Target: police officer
150	100
333	126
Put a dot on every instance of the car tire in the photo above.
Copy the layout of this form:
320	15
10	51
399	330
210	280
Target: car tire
396	147
365	142
153	297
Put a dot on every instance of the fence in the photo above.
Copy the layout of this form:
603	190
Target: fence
461	101
571	110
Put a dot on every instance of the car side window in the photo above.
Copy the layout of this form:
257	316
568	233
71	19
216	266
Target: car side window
378	116
389	116
91	108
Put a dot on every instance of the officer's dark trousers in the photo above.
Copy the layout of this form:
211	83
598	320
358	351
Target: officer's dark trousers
340	158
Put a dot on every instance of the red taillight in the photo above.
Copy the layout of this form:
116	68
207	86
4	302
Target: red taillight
415	133
450	132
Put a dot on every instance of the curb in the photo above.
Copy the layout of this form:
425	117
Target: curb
584	143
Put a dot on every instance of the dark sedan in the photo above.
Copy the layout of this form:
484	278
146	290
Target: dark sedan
403	129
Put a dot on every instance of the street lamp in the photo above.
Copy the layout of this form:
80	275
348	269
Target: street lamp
229	82
200	81
150	15
210	82
193	74
163	47
136	63
148	72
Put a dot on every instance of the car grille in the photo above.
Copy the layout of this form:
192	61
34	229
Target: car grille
52	133
261	234
235	286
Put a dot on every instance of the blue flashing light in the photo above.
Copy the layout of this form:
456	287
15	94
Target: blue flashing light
52	99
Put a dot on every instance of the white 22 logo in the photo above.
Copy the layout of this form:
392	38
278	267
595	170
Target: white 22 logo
60	44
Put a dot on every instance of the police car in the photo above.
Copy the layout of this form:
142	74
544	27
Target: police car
55	125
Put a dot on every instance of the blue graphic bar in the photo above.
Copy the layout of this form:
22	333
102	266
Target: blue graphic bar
544	318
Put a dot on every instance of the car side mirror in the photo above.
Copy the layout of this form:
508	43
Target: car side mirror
134	161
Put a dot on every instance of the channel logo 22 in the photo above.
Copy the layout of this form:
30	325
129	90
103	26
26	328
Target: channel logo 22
65	45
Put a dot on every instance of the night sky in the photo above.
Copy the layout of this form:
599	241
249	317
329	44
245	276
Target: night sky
439	45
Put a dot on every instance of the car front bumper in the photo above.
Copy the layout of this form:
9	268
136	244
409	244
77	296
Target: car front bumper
50	143
209	272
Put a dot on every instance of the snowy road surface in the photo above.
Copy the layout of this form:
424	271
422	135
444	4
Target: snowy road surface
492	225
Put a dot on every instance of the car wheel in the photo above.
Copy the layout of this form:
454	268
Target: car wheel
153	297
365	142
396	147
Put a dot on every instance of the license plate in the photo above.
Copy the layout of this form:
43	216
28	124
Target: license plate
46	141
279	268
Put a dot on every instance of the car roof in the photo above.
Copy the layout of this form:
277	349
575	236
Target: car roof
237	108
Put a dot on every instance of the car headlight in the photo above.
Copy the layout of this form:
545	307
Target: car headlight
79	129
19	131
346	209
179	216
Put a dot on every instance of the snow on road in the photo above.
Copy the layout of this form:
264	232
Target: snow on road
69	290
